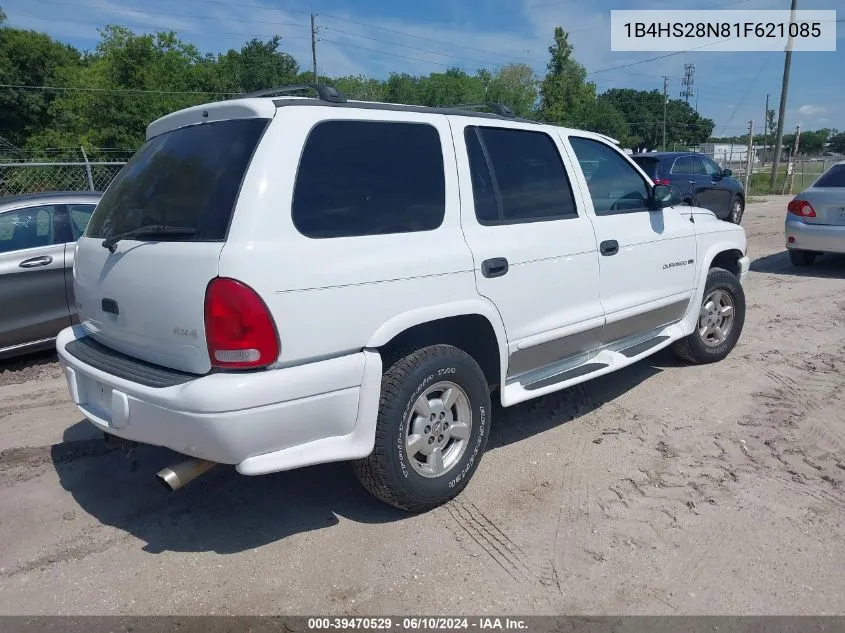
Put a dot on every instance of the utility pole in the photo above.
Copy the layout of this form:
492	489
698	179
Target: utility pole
665	104
314	46
748	161
790	167
787	63
765	131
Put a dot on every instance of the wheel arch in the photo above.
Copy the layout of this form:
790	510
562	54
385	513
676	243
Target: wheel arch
721	254
470	325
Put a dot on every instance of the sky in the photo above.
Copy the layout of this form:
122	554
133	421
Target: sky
377	37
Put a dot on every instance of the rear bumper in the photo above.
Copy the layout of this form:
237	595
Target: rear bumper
259	421
815	237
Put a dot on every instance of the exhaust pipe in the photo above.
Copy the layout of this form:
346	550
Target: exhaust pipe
177	475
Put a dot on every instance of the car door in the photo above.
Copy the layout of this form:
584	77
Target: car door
711	190
683	176
534	249
32	277
647	257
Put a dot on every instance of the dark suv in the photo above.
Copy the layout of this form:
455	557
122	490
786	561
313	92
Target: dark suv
700	181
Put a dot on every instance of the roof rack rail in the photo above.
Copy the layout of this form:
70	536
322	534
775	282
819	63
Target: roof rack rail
324	92
499	108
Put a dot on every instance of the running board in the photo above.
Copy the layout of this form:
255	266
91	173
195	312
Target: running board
573	371
576	372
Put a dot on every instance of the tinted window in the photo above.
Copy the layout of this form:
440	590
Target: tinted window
80	215
684	166
369	178
710	168
648	165
26	228
615	186
188	177
834	177
528	177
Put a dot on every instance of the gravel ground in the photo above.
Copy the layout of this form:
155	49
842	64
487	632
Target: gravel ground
661	489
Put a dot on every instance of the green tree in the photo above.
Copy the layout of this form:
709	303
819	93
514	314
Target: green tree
564	91
402	88
454	87
604	118
28	58
837	142
361	88
514	85
771	123
256	66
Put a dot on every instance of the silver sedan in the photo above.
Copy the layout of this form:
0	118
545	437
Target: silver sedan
37	236
815	219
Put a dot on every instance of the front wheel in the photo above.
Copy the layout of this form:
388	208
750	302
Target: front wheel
721	318
737	209
432	429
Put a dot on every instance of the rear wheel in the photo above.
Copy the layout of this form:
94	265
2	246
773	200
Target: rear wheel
432	429
802	258
721	318
737	209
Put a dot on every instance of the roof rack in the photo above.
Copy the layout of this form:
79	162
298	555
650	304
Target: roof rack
324	92
499	108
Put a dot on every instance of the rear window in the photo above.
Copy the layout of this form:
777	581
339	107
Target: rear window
188	178
834	177
360	178
648	165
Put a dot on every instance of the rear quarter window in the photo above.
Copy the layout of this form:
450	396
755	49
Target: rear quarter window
189	177
359	178
834	177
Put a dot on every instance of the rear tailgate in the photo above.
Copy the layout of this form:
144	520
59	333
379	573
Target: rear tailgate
146	299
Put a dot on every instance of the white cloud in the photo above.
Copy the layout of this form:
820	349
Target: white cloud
811	110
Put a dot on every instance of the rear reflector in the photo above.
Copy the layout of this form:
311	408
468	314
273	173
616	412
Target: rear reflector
239	329
801	208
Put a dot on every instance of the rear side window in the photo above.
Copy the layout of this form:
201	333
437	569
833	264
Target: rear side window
360	178
834	177
648	165
187	178
26	228
684	166
517	176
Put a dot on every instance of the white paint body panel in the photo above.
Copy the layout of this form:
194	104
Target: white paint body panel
335	301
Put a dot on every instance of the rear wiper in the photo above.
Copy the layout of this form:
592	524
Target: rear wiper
148	230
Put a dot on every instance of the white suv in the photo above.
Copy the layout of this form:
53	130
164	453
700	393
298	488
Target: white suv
278	282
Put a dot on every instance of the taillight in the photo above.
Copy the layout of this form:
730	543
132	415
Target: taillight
662	181
801	208
239	329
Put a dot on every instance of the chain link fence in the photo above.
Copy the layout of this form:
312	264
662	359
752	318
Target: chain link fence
59	170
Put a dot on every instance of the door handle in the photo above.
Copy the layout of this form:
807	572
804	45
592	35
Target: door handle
36	262
609	247
495	267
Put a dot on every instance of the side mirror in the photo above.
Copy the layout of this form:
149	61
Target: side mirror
663	196
727	173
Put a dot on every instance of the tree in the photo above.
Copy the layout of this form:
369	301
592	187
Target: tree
28	58
837	143
603	117
402	88
2	15
771	124
453	87
514	85
564	91
256	66
361	88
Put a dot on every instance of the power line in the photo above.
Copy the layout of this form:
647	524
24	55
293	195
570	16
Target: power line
748	90
167	30
176	15
373	50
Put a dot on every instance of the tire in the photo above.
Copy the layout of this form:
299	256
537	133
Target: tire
389	472
693	348
802	258
737	209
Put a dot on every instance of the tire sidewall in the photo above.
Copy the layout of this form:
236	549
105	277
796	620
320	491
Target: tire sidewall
722	280
461	370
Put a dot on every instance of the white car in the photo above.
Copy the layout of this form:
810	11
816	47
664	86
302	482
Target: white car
277	282
815	218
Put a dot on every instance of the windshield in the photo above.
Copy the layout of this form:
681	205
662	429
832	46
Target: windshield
835	177
187	178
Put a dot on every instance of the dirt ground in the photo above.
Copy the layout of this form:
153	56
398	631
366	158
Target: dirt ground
661	489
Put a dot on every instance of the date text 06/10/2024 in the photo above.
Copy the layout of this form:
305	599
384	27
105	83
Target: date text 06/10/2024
415	623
